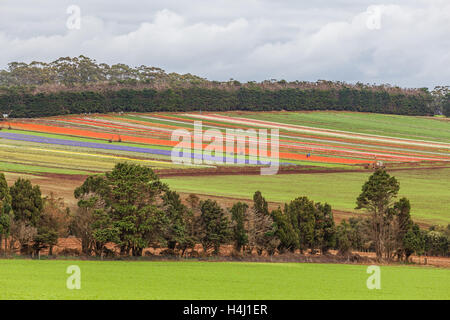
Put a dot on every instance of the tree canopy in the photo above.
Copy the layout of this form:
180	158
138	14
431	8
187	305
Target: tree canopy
124	204
81	85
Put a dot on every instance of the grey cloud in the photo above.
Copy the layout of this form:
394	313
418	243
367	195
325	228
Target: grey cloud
245	39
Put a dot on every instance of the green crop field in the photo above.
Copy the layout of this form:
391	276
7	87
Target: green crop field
419	128
428	190
32	279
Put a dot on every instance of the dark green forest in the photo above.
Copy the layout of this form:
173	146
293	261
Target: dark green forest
195	99
81	85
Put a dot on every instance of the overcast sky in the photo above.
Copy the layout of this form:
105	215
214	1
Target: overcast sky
404	42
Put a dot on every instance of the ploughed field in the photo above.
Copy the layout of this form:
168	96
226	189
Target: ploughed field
34	279
331	149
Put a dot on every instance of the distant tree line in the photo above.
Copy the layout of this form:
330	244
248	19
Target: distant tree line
130	209
81	85
81	73
27	105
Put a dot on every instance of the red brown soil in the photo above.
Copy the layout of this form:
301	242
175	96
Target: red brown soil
62	185
256	170
74	245
443	262
242	170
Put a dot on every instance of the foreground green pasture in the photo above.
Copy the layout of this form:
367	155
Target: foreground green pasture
31	279
427	189
419	128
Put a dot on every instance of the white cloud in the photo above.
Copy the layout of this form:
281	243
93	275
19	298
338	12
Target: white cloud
246	40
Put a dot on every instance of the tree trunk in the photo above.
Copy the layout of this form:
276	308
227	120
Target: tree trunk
171	245
84	246
12	242
136	252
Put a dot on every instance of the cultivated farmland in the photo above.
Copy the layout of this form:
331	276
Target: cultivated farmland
329	152
323	155
148	137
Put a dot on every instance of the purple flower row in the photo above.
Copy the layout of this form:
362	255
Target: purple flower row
110	146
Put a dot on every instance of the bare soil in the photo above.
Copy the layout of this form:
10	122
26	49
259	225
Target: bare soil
256	170
72	247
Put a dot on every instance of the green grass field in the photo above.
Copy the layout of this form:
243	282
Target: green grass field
428	190
420	128
31	279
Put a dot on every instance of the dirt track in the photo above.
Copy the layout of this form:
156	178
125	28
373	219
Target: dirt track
255	170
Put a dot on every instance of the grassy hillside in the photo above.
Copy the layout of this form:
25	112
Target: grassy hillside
420	128
426	189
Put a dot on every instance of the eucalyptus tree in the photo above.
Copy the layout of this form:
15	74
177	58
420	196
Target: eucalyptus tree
125	206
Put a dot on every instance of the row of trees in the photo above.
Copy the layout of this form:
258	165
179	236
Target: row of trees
132	209
80	84
23	104
70	72
67	73
355	234
28	219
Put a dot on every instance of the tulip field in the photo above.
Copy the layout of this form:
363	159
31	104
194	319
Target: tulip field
336	149
96	142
